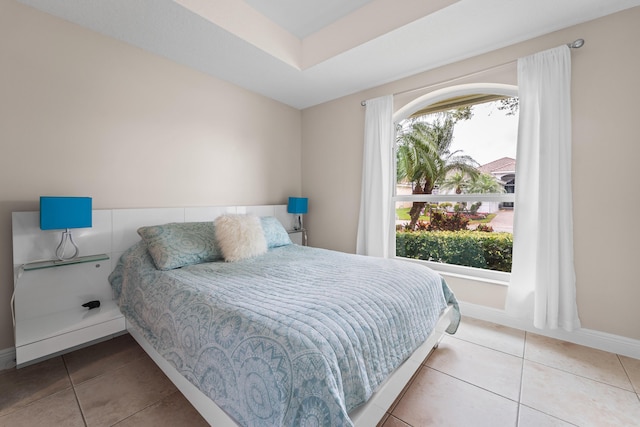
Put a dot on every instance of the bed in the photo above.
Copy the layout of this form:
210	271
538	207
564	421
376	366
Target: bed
288	335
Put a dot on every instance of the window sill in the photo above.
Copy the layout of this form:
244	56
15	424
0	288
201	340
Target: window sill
498	278
474	278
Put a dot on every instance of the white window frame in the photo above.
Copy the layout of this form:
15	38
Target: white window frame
405	112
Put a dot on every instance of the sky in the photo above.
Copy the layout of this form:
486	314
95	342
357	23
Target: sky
488	136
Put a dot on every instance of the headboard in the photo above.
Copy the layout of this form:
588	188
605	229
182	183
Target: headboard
115	230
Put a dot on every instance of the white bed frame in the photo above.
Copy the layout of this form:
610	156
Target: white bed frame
114	231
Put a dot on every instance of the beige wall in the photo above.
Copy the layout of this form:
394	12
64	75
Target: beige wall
83	114
605	164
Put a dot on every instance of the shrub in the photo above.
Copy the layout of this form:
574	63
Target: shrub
498	250
443	222
491	251
421	225
484	227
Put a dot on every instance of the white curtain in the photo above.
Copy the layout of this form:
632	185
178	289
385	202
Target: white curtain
377	180
542	286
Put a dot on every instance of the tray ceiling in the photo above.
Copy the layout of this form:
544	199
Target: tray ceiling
305	52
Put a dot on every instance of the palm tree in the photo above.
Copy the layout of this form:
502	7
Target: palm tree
458	181
424	156
485	183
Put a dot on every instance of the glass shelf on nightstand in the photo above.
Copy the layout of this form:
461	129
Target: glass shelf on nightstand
298	237
57	263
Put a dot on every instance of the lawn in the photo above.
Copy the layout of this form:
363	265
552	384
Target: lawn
402	214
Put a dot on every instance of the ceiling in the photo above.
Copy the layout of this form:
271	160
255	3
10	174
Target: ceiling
305	52
304	17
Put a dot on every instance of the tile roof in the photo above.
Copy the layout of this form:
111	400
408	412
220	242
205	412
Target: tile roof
505	164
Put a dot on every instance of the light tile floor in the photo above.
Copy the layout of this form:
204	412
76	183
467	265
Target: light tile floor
491	375
485	375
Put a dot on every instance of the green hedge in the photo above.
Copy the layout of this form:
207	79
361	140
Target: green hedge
491	251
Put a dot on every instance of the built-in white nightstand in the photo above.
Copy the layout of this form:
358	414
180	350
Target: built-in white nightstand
49	316
299	237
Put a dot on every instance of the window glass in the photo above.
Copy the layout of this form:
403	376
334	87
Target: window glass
455	183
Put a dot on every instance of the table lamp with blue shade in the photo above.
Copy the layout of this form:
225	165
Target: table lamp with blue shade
298	206
64	213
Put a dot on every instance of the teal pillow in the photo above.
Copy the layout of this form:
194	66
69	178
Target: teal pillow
177	244
274	232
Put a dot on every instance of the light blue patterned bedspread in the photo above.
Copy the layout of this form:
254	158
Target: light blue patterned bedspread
298	336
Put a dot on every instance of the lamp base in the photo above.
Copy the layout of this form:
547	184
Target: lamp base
60	250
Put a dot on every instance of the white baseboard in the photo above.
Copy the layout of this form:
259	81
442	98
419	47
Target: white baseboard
587	337
7	358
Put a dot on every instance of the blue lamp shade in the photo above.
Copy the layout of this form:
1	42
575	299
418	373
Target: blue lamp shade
297	205
58	213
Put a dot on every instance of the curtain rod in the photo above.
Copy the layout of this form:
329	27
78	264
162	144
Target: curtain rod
576	44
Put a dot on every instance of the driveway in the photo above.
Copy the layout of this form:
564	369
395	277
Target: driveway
503	221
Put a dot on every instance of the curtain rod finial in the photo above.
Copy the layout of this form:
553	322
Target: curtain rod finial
576	44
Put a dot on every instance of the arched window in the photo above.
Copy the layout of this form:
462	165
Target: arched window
455	157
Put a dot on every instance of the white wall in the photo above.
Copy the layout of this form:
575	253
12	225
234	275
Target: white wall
83	114
605	154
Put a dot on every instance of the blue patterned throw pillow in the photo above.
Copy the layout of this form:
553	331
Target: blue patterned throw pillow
274	232
178	244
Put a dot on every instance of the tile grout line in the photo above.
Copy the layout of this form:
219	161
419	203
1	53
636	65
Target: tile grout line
577	375
582	376
557	368
145	408
485	346
603	382
472	384
524	349
106	374
396	402
551	415
73	387
402	421
39	399
633	386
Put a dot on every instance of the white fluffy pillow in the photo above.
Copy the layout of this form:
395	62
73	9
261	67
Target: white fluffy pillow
240	236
